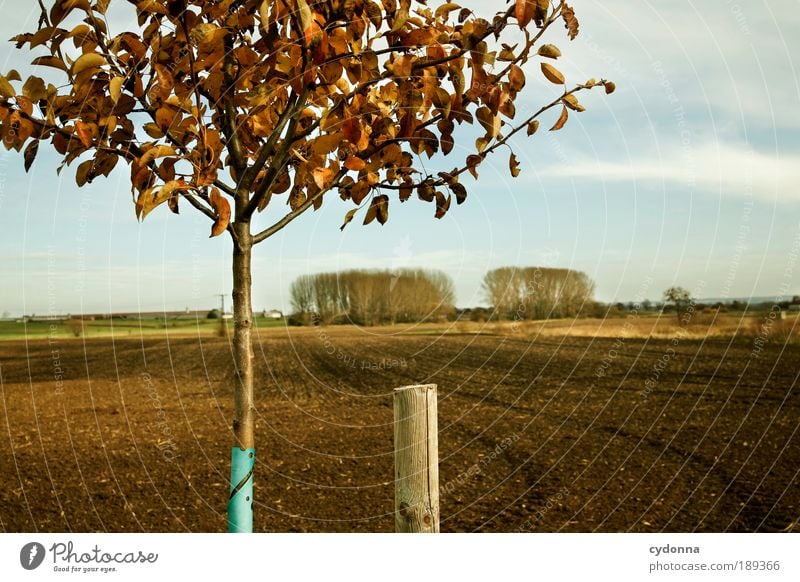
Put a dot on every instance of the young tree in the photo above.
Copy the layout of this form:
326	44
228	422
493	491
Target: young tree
680	297
235	105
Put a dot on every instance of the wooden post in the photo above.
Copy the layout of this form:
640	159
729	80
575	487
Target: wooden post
416	460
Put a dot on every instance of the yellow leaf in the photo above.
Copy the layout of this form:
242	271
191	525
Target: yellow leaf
445	9
54	62
572	102
153	197
115	88
34	89
87	61
553	75
156	152
550	51
6	90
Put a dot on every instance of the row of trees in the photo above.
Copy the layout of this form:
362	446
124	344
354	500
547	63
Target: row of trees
373	297
537	292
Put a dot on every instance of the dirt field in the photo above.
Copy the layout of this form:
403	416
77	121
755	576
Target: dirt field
542	433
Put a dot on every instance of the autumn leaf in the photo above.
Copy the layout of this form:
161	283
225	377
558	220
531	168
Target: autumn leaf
572	102
222	210
378	208
550	51
355	164
115	88
348	217
323	177
561	120
84	132
533	126
34	89
513	165
459	190
610	87
442	204
87	61
50	61
552	74
6	89
570	22
472	163
516	78
30	154
523	11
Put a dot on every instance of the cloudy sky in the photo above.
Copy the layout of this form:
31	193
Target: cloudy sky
687	175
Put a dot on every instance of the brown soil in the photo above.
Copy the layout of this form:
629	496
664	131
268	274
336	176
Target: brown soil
136	436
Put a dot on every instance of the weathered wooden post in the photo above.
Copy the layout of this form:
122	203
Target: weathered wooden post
416	460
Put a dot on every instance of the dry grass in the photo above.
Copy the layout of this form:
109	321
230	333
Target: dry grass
701	326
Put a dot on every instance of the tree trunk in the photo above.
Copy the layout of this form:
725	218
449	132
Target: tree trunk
240	504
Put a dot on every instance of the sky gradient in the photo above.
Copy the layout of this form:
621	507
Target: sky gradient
687	175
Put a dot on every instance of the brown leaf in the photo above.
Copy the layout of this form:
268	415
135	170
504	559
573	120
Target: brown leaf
516	78
378	208
83	175
355	164
375	16
54	62
550	51
222	209
609	86
572	102
472	163
513	165
323	177
553	75
570	22
523	11
425	191
561	120
151	198
459	190
297	198
84	132
30	153
442	204
381	206
533	126
540	14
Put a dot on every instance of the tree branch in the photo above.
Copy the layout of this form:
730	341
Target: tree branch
268	232
234	144
490	149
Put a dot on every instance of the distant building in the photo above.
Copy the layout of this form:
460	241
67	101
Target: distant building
273	314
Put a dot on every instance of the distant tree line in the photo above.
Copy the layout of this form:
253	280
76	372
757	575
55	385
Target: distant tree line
520	293
372	297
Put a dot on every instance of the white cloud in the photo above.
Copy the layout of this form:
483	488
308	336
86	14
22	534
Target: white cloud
710	167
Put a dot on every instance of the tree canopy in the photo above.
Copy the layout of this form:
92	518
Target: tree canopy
256	100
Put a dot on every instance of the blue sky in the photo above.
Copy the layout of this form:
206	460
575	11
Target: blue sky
688	174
